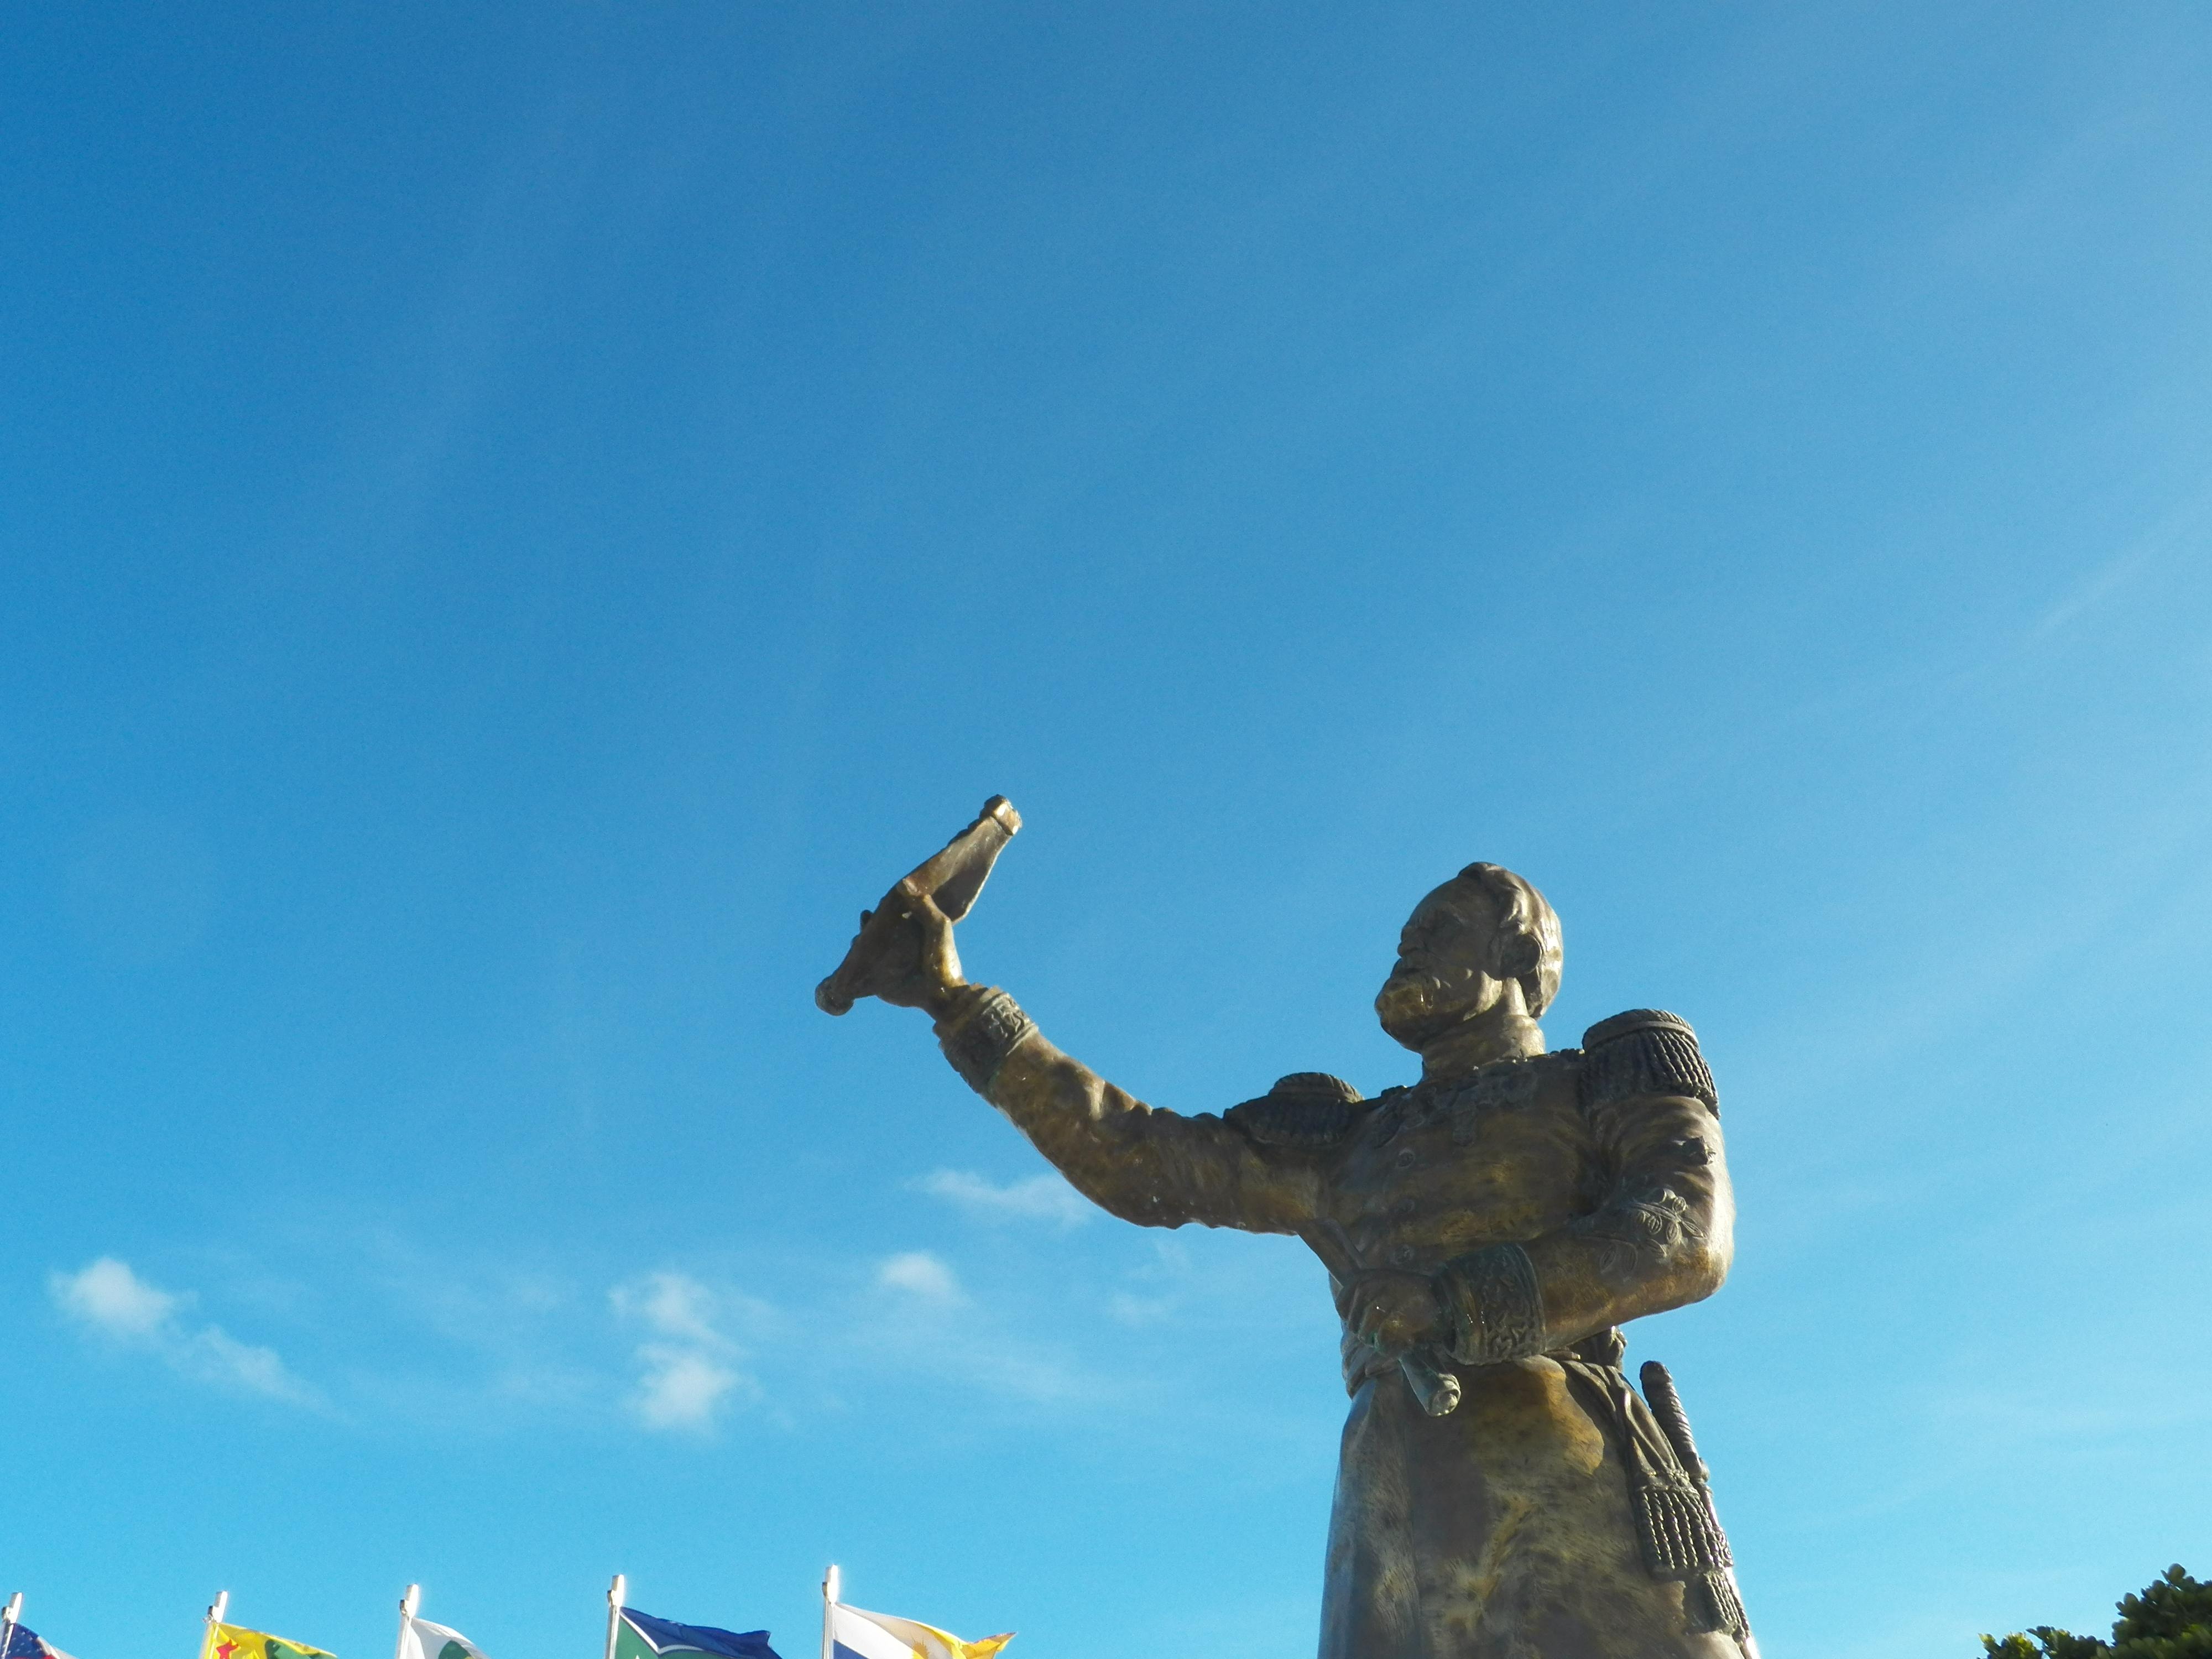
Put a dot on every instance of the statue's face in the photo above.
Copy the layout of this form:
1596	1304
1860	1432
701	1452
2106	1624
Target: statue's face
1441	977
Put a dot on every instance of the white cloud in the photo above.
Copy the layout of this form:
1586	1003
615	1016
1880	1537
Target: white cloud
108	1296
690	1369
920	1274
681	1387
1038	1198
674	1305
112	1301
214	1354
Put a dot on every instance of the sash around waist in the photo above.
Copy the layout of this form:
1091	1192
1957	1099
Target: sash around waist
1607	1348
1679	1532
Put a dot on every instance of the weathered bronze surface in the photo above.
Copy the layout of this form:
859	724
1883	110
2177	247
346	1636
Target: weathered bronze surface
1503	1491
887	949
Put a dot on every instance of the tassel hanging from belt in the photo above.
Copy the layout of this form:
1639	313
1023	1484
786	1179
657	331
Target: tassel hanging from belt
1668	1486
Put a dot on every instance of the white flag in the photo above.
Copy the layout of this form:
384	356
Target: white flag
420	1639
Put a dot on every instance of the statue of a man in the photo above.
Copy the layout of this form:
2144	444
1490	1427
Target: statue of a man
1503	1216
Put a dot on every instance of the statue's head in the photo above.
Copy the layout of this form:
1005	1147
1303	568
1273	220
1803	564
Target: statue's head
1484	938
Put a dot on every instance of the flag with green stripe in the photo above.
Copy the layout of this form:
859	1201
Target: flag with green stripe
642	1636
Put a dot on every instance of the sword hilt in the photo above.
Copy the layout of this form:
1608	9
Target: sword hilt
1674	1421
1437	1390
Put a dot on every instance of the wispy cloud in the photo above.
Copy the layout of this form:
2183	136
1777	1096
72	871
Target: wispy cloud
445	1344
922	1275
1131	1309
922	1313
689	1365
682	1388
1156	1294
2179	533
108	1299
1037	1197
2071	1405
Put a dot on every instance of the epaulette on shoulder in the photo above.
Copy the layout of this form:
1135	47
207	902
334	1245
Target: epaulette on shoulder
1644	1052
1309	1110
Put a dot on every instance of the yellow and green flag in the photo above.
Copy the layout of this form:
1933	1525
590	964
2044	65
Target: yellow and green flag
234	1642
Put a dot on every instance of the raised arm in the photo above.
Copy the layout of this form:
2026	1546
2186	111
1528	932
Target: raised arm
1660	1237
1157	1167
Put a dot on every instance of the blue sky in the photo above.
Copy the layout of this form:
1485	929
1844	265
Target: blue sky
520	521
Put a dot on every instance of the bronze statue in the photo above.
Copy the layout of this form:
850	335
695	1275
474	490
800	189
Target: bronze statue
1503	1491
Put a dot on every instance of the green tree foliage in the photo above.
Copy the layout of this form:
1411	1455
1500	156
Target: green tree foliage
2047	1644
2171	1619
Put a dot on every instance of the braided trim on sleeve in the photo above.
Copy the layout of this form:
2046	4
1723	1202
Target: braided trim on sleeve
1495	1305
979	1037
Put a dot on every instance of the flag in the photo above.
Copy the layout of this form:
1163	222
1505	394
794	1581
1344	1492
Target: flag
642	1636
29	1645
232	1642
857	1635
420	1639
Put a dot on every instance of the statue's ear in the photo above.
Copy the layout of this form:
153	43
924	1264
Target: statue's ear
1515	954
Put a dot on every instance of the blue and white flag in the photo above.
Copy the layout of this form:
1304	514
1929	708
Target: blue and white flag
26	1643
642	1636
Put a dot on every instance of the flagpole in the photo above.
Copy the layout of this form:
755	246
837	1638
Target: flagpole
215	1616
8	1620
408	1603
833	1586
616	1593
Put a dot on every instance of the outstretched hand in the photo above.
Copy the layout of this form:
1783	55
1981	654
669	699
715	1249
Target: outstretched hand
1394	1312
935	977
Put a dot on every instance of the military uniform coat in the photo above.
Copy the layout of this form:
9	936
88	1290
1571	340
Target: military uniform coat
1557	1196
